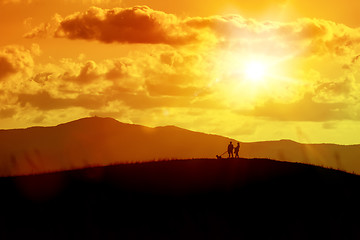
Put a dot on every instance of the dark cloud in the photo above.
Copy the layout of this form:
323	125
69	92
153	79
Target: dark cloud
139	24
15	59
6	68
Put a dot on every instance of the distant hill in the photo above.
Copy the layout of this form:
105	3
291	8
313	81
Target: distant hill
98	141
183	199
103	141
343	157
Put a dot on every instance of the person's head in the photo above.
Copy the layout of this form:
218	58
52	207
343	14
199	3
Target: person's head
238	143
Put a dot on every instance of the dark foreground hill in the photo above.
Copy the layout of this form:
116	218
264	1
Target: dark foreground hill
183	199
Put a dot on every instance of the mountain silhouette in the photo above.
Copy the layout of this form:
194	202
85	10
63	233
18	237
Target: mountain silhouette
99	141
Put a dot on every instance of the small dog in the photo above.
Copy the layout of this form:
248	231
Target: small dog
218	157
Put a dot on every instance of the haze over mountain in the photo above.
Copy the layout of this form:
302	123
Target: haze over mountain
103	141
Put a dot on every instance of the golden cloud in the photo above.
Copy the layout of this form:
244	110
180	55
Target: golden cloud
199	67
175	79
148	82
14	59
44	101
7	112
312	36
305	109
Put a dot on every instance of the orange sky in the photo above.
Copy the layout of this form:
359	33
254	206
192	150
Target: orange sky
250	70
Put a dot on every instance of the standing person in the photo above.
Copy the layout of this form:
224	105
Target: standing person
237	148
230	149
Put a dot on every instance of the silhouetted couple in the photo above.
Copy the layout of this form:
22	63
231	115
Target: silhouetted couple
231	149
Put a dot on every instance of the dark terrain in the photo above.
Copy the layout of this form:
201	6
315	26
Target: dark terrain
183	199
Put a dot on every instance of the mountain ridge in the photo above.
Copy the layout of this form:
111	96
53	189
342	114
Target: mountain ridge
109	119
103	141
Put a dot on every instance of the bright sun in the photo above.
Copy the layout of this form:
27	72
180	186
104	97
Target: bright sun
255	70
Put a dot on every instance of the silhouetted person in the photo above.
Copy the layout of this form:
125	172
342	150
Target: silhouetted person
230	149
237	148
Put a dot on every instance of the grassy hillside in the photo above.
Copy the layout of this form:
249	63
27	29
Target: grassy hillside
184	199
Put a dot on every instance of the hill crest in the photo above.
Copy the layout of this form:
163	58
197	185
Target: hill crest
185	199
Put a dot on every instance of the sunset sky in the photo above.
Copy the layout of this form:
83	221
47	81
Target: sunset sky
250	70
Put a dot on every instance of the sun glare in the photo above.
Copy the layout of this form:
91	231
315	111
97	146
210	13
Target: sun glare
255	70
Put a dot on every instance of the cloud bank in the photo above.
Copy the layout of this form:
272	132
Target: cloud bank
190	70
142	24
